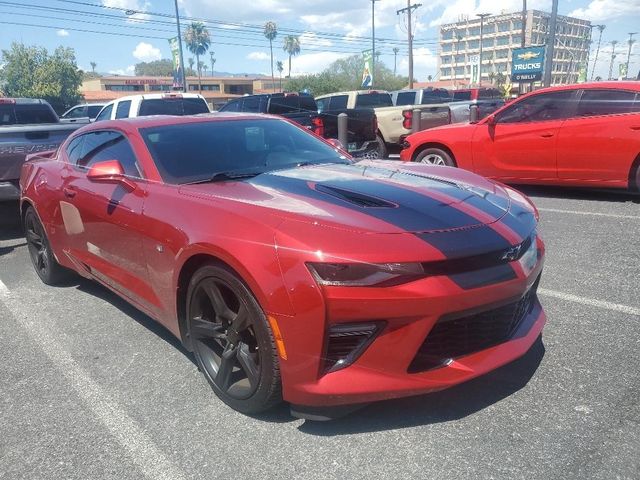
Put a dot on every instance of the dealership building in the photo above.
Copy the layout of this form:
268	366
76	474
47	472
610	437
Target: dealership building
216	90
460	45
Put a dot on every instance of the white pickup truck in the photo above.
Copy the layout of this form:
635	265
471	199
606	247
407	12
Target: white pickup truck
394	123
169	103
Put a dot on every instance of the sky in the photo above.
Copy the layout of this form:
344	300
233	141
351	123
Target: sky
104	32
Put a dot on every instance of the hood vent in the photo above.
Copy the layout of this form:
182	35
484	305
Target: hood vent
362	200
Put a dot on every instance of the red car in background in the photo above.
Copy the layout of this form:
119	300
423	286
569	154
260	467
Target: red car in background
289	270
585	135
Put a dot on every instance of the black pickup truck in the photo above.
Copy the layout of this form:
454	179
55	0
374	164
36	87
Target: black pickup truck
26	126
302	109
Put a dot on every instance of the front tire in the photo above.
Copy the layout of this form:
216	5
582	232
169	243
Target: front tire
44	262
382	147
435	156
232	342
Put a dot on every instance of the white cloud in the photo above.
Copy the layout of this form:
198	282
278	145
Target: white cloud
146	52
313	62
424	63
62	33
311	41
459	9
258	56
132	6
599	10
123	71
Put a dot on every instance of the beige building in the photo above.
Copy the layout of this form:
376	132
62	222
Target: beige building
216	90
460	43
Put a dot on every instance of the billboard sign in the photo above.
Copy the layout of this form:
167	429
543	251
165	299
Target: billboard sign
177	68
527	64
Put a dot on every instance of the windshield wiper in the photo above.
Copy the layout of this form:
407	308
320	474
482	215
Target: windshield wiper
222	176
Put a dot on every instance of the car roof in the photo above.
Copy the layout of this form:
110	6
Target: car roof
162	120
616	85
156	96
357	92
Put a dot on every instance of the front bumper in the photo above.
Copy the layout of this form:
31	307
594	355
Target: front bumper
9	191
410	312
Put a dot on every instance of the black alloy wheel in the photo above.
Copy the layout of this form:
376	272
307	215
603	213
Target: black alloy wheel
232	341
44	262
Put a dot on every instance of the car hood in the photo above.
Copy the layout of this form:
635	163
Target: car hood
368	196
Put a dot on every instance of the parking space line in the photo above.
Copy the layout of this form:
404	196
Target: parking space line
616	307
128	433
597	214
4	291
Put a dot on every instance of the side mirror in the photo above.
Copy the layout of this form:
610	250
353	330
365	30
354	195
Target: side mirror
474	113
110	171
336	143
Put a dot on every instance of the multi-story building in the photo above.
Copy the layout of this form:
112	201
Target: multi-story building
216	90
460	43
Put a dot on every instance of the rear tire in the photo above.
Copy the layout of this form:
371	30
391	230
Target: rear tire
44	262
435	156
382	148
232	341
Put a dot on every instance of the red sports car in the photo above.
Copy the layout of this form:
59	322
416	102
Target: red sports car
289	270
584	135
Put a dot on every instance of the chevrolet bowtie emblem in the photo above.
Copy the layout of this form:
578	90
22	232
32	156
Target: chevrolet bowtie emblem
511	254
528	55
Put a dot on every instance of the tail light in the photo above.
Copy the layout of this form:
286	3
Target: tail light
5	101
172	95
318	126
346	342
407	121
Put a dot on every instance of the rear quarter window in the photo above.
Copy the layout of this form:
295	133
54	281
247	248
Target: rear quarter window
405	98
376	99
172	106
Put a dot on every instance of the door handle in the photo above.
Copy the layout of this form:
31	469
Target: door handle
69	192
546	135
635	127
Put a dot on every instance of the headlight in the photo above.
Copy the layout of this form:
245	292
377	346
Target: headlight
365	274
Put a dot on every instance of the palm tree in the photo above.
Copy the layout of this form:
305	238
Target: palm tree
396	50
198	40
280	68
191	62
595	60
429	77
93	66
271	32
292	47
201	67
213	61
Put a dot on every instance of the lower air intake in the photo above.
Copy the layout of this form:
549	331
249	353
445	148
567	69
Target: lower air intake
346	342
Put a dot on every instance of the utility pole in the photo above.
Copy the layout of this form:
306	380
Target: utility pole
410	8
551	43
523	40
613	57
184	78
482	17
396	50
631	42
373	42
595	60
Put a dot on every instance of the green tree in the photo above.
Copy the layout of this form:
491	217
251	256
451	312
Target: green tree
291	45
191	63
93	66
271	32
213	60
32	72
198	40
159	68
345	74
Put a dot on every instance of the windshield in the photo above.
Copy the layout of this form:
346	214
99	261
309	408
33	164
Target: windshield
194	152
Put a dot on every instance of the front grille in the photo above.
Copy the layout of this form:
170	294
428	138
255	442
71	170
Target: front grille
457	336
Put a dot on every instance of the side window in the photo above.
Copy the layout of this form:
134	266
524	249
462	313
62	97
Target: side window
540	108
322	104
76	112
339	102
105	114
251	104
74	149
108	145
607	102
122	111
405	98
233	106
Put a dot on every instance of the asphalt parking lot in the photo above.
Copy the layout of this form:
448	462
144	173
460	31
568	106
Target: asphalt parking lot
92	388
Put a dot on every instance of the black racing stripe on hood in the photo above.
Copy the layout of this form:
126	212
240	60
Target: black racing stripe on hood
466	242
520	220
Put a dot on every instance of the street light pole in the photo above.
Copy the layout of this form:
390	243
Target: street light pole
613	57
482	17
631	42
373	41
184	78
551	44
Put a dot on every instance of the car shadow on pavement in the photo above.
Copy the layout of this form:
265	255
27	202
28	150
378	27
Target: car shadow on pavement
444	406
586	194
10	224
98	291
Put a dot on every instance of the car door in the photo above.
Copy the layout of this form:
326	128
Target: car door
600	142
521	142
122	111
105	113
103	219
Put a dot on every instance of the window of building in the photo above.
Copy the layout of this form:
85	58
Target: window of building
446	47
474	31
487	43
517	25
503	26
473	44
447	35
125	88
506	40
159	88
459	71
